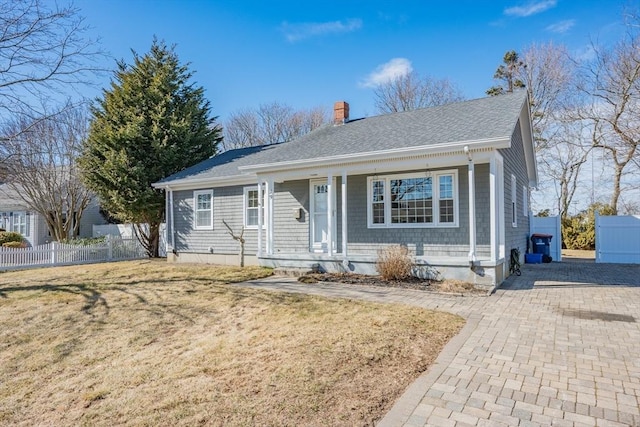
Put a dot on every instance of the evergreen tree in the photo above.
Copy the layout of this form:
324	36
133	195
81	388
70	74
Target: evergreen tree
508	73
151	123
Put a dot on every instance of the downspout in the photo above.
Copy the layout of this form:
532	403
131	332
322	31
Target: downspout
472	209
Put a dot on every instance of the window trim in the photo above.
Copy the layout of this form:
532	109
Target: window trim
195	210
525	200
245	207
435	200
17	227
514	201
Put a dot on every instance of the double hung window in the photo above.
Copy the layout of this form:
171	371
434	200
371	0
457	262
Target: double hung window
252	209
203	210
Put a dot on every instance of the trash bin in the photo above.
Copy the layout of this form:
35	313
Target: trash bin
541	244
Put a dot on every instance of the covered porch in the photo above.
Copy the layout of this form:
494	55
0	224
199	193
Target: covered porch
348	212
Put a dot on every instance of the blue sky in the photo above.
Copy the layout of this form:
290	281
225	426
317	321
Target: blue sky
307	54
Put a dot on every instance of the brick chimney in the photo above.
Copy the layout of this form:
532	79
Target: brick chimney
340	113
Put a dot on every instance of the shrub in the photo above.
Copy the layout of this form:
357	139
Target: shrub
14	245
86	241
579	231
394	263
9	236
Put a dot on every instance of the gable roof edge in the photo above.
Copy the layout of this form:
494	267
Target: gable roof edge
526	129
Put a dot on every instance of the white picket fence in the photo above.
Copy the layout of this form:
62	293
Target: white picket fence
125	231
54	253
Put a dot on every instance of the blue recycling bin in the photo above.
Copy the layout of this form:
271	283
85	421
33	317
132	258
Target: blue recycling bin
541	244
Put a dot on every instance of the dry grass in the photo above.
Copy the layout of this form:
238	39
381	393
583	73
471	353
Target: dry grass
576	254
150	343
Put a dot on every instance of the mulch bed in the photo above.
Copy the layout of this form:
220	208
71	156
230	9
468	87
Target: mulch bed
447	286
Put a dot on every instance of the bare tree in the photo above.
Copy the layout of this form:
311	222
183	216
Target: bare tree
562	141
548	74
563	160
43	50
42	168
612	84
411	91
270	124
239	238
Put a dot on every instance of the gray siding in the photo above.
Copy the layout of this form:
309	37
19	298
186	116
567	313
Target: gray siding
90	217
514	164
423	241
291	235
228	205
41	232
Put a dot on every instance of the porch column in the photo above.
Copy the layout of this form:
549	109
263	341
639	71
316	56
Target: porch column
497	208
270	191
260	216
493	182
472	208
344	215
330	190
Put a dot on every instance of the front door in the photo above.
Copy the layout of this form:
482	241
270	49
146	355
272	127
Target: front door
319	227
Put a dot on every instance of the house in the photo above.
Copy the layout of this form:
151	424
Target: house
450	182
16	216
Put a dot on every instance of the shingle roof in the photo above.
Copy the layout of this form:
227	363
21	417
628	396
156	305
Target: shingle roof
224	165
479	119
9	199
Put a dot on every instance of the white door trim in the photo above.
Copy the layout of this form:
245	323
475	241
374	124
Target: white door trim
321	247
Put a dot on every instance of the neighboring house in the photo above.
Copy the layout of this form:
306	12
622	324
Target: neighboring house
16	216
450	182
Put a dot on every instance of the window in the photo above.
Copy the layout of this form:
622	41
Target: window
446	199
252	207
203	210
19	223
525	200
514	201
377	202
413	200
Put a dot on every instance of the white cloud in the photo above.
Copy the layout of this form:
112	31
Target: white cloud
387	71
530	8
585	54
562	26
303	30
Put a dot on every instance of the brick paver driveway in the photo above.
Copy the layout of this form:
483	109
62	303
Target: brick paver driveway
559	345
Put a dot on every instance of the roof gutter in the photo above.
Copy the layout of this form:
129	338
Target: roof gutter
503	142
188	183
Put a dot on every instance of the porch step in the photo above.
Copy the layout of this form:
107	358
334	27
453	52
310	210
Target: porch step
292	271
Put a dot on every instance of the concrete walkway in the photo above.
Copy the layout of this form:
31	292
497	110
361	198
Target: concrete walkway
559	345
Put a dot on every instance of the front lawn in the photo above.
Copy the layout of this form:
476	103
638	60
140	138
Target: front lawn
151	343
